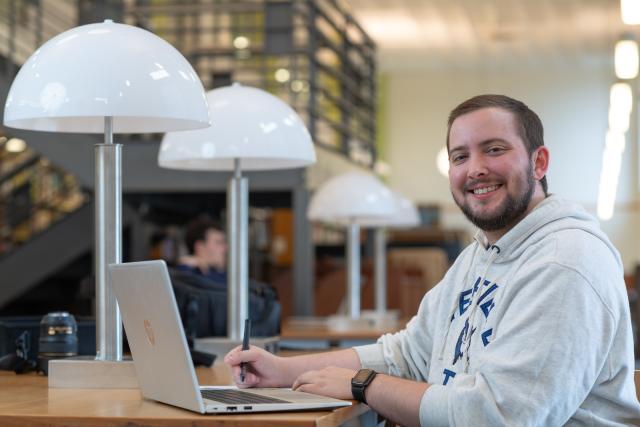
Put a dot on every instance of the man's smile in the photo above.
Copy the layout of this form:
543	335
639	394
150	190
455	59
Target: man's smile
482	189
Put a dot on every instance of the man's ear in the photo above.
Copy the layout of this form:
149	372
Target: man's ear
540	159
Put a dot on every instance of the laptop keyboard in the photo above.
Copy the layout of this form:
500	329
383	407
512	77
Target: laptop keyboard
233	397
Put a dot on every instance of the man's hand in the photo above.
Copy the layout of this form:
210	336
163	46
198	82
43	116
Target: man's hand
331	382
263	368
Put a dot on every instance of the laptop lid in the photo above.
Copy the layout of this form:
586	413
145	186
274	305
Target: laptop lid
154	331
161	356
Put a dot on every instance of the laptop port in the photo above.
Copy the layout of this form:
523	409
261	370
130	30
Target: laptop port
232	408
248	408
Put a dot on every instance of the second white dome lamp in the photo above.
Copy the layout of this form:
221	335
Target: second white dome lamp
250	130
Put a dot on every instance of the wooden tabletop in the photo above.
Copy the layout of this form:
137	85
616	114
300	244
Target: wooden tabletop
26	400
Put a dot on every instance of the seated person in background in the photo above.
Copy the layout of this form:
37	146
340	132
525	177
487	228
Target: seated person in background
200	285
207	246
529	327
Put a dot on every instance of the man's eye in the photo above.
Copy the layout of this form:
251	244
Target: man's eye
494	150
458	158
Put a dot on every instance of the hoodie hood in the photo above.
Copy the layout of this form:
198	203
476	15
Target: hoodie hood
550	215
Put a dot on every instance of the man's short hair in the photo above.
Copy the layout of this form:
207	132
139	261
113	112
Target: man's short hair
529	124
197	231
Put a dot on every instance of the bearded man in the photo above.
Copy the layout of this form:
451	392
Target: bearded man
529	327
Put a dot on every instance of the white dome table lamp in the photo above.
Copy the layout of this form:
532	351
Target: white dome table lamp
349	199
106	78
250	130
406	216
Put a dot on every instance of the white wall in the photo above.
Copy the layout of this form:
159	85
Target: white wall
573	108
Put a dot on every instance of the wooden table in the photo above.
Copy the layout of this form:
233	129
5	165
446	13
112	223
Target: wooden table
26	400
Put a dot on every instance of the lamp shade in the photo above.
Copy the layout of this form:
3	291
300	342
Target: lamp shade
406	215
352	196
246	123
76	79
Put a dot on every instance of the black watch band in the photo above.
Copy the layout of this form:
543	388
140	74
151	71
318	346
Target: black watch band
360	382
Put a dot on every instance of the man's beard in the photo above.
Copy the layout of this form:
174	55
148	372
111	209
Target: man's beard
510	210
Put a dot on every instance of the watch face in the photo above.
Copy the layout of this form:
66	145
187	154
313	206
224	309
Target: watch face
362	375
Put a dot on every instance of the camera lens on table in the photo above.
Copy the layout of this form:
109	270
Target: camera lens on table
58	338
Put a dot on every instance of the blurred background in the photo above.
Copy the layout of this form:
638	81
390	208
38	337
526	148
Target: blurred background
374	81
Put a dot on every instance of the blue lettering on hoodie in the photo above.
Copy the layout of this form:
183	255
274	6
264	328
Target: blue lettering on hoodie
485	336
447	374
486	304
457	354
486	307
464	301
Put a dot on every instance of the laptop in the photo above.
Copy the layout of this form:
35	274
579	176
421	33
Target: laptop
161	357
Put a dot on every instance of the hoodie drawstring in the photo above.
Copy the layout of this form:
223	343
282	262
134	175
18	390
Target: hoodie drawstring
452	312
495	250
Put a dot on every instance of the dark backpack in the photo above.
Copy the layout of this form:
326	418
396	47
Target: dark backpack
202	303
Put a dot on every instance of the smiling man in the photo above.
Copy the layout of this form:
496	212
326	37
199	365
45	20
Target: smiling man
498	162
531	324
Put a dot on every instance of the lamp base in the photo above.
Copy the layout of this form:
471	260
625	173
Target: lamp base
389	319
222	345
87	372
369	320
344	323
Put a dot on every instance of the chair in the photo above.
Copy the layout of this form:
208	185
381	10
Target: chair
423	269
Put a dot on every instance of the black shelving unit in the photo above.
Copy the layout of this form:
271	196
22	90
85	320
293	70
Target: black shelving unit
311	54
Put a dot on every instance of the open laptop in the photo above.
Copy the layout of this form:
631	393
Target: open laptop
161	356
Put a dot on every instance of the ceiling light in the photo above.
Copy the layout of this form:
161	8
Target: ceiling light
608	184
626	59
615	141
392	29
630	11
241	42
16	145
297	85
621	97
282	75
611	160
618	120
382	168
442	161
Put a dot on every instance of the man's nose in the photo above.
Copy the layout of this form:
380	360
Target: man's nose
477	167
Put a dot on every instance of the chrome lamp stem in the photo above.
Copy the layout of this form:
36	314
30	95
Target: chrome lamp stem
237	264
353	269
108	243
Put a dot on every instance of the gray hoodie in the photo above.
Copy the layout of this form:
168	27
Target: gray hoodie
532	331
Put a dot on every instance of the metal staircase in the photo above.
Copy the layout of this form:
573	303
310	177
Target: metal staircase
45	253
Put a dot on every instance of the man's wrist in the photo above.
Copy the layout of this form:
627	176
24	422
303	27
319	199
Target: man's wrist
360	382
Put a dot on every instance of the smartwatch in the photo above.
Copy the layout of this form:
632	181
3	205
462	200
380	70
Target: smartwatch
360	382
